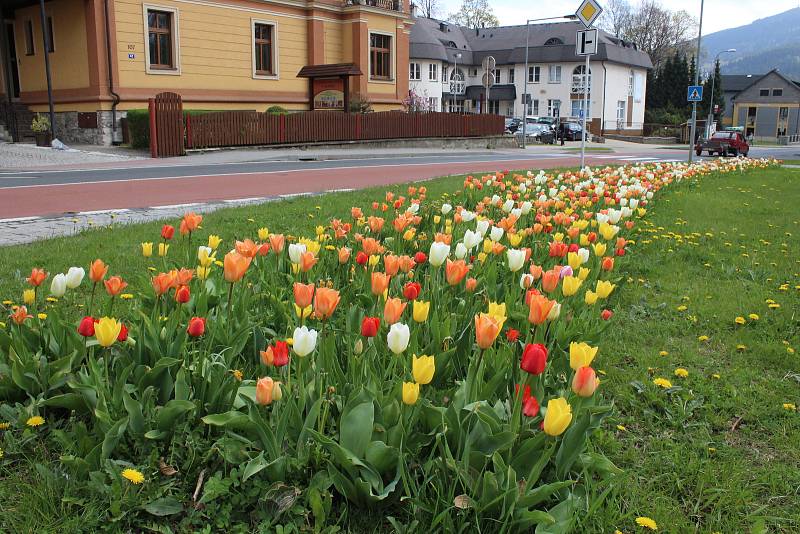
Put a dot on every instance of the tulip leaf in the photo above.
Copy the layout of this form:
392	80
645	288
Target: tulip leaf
563	514
70	401
254	466
135	416
233	419
113	436
169	414
356	425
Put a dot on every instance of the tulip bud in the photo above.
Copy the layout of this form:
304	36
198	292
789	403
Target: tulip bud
182	295
58	285
585	382
410	393
196	327
264	390
86	326
358	348
534	359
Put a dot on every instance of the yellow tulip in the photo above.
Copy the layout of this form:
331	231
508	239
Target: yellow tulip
604	288
214	241
147	249
409	234
482	257
410	393
558	416
319	230
421	310
263	234
373	260
487	245
203	272
514	239
581	355
163	248
423	368
106	330
608	231
583	273
205	258
570	285
28	297
590	298
437	219
599	249
498	311
584	240
558	236
573	260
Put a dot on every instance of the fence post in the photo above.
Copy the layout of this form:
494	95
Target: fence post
189	139
358	126
282	129
151	108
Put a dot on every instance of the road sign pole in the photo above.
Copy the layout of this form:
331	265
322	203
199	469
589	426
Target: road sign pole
696	82
585	111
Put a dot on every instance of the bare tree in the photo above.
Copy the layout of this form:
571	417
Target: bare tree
429	8
654	28
474	14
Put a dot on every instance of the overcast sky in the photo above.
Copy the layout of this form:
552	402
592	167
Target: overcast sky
719	14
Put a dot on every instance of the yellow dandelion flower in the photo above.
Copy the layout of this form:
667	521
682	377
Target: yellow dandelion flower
42	316
5	426
8	302
740	320
681	372
712	450
134	476
774	306
716	376
663	353
662	382
126	296
753	317
36	420
622	428
741	347
789	406
702	338
646	522
52	299
237	374
681	308
790	350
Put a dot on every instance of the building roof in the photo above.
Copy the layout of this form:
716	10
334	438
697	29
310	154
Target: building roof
735	83
548	43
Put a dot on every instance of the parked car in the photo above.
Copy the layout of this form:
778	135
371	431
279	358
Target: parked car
550	121
512	125
724	143
572	131
539	132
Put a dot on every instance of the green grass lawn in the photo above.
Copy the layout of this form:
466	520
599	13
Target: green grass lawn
716	452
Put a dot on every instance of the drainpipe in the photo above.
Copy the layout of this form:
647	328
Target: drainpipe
114	95
603	112
46	39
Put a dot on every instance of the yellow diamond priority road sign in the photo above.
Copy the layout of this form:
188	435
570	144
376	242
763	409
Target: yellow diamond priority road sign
588	12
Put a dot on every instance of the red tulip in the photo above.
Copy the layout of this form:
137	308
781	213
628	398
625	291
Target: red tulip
420	258
512	335
530	407
280	352
412	290
361	258
606	314
182	295
370	326
86	326
167	231
534	358
123	333
197	326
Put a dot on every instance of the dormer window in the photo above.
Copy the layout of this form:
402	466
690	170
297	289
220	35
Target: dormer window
553	41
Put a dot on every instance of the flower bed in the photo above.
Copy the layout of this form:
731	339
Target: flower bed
429	358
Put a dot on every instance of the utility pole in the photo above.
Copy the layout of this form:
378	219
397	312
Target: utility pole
696	82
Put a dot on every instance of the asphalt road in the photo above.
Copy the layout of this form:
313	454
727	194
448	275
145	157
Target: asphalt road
151	183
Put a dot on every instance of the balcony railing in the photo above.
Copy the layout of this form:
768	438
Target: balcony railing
389	5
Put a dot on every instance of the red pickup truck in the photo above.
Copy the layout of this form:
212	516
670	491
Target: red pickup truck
723	143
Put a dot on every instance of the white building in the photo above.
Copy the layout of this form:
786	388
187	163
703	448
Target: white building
445	68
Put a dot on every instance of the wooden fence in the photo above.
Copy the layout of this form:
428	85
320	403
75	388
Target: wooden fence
247	128
166	125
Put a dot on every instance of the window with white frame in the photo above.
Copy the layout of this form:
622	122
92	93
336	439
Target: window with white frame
631	78
554	108
577	106
444	75
497	76
578	80
554	74
380	56
533	108
161	34
511	75
414	71
433	103
534	74
433	75
620	112
264	49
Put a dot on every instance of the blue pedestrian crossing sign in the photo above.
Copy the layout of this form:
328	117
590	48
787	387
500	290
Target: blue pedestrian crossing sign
695	93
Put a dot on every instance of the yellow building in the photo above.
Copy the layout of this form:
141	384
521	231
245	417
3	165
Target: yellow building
110	56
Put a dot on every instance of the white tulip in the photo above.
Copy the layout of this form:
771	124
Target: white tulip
438	253
304	341
614	216
526	207
516	212
446	208
496	234
602	218
526	281
555	311
523	188
413	208
472	239
634	203
583	254
59	285
203	252
398	337
461	251
508	205
482	227
622	201
75	277
515	259
467	216
295	251
495	199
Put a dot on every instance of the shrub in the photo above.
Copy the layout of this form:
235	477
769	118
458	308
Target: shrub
276	110
139	127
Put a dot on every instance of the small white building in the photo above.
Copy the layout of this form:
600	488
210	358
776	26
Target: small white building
445	68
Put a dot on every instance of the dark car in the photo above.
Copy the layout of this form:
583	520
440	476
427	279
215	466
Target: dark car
572	131
512	125
724	143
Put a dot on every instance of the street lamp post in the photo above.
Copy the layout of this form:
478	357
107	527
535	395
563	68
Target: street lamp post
525	95
696	82
713	82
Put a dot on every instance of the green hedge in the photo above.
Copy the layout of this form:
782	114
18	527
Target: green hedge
139	125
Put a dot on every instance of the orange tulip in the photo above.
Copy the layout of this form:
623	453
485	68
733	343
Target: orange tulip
162	283
264	388
392	264
380	282
247	248
407	263
344	255
536	271
234	266
356	213
550	280
498	249
307	261
443	238
325	302
540	307
371	246
37	277
471	284
277	242
487	327
392	310
585	382
183	277
303	294
191	222
20	315
97	271
455	271
375	223
608	264
115	285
